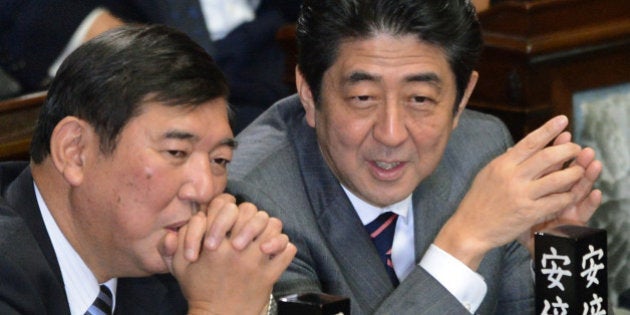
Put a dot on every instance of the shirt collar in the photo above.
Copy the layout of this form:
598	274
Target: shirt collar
367	212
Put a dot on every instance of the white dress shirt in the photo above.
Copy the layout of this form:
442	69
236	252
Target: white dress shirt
466	285
222	16
81	285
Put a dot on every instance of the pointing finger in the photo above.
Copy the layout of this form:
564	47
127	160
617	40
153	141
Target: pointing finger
538	138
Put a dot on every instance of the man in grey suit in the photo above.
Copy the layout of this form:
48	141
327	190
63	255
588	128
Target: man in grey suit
379	126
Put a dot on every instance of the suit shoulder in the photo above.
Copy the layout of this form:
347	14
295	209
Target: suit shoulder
9	171
481	130
265	143
471	119
477	139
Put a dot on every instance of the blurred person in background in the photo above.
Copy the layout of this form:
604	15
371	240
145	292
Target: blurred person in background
35	36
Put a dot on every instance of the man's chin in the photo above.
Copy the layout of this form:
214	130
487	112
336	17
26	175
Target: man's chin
154	267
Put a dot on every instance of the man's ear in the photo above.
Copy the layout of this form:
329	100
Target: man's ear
306	97
68	148
472	82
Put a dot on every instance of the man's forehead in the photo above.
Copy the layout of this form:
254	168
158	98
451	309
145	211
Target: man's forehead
186	121
381	37
388	50
418	62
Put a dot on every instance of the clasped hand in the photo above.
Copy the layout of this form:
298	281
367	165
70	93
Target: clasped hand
532	186
227	258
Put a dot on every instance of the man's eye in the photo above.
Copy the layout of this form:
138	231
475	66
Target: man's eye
221	162
177	153
362	98
420	99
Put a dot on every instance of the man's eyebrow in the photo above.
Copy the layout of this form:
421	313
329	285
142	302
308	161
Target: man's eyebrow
428	77
230	142
180	135
359	76
183	135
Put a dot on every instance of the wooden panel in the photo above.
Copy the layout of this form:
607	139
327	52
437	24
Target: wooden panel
286	37
17	121
539	53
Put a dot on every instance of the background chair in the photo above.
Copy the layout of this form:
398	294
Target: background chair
17	121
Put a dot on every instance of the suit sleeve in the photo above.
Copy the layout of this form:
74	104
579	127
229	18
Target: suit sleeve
419	294
516	288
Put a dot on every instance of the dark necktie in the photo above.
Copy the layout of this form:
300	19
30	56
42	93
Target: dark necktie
381	231
102	304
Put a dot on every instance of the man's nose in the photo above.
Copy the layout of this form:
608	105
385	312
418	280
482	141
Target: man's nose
199	183
390	128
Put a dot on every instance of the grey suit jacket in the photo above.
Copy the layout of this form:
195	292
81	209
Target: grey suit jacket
30	278
278	166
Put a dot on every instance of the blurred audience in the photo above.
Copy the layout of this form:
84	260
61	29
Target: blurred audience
35	36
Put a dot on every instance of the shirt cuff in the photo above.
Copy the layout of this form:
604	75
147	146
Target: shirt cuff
467	286
76	40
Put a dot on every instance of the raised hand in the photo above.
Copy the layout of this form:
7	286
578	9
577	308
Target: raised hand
524	187
588	199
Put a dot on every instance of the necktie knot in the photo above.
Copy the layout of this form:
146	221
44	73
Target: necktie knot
103	303
381	232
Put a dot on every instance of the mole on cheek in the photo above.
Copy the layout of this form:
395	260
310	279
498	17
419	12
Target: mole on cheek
148	173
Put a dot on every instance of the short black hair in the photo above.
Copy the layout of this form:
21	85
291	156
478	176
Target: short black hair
323	25
107	80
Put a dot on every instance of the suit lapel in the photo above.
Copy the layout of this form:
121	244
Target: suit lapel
21	196
340	225
431	210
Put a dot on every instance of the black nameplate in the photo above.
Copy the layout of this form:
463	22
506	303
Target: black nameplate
313	304
571	271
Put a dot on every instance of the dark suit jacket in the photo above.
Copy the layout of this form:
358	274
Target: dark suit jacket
30	278
278	166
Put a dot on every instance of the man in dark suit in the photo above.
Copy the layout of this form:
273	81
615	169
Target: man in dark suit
128	166
378	130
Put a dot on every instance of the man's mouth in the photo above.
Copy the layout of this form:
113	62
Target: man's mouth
387	170
387	165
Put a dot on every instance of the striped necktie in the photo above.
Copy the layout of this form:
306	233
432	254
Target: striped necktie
103	303
381	231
